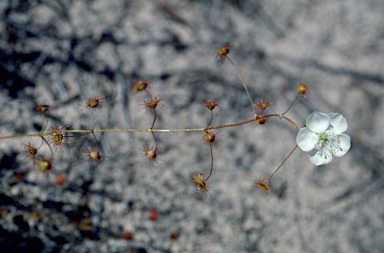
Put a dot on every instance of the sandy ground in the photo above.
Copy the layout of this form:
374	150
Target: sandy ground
59	52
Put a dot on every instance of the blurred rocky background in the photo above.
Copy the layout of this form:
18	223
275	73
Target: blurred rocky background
57	52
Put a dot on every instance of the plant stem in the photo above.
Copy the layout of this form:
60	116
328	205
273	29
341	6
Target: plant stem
243	83
293	150
153	130
211	170
297	96
210	121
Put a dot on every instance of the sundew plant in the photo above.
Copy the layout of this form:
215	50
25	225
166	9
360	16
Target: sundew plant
322	136
191	126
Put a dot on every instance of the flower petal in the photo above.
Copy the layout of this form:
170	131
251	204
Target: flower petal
338	122
317	159
345	144
306	139
317	122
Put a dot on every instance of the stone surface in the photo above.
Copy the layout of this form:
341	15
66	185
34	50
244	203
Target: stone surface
60	52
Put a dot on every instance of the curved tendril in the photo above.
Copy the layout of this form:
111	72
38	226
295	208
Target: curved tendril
210	121
153	124
50	148
154	118
42	142
155	139
211	170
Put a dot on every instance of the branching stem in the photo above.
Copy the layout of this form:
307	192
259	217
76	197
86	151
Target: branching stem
210	121
50	148
153	130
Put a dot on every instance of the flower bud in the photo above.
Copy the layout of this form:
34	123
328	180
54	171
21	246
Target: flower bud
94	156
221	53
41	108
263	185
140	86
57	138
211	104
302	89
209	137
263	105
45	165
200	183
151	154
261	120
93	101
152	103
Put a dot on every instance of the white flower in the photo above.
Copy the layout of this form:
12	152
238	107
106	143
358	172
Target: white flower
323	137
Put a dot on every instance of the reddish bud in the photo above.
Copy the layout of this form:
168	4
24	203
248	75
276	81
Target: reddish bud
209	136
263	105
152	103
261	120
127	235
175	235
30	151
19	176
211	104
61	180
153	215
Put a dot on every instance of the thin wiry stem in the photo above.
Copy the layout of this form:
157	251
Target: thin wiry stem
293	150
93	130
155	130
286	118
49	145
155	139
211	170
42	142
153	124
24	135
243	83
149	94
46	122
210	121
154	118
294	101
